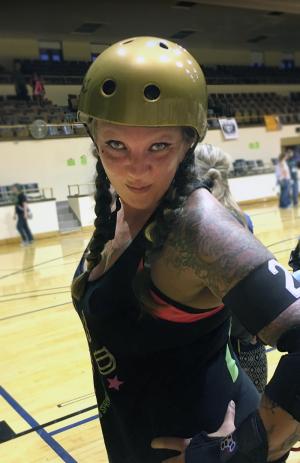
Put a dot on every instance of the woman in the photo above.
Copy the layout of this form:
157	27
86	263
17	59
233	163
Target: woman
22	213
38	89
213	167
150	285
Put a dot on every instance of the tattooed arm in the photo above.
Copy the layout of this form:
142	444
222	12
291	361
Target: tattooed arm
216	251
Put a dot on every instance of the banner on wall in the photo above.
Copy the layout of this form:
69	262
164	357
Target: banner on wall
71	162
272	123
229	128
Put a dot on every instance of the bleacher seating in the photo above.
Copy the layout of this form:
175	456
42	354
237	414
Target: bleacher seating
250	108
31	190
16	117
72	72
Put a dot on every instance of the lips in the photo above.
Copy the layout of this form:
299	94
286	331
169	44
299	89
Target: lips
139	188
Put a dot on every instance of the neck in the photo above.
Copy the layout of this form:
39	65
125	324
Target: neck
132	215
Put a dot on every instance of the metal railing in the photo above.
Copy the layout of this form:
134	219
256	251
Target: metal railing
81	189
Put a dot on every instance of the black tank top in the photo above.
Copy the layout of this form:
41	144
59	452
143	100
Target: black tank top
148	372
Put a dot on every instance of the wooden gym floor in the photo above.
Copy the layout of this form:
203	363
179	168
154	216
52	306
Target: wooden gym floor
46	393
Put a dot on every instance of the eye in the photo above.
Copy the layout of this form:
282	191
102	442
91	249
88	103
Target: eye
159	146
115	144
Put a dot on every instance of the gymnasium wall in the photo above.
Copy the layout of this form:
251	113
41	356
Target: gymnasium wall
51	163
11	48
48	161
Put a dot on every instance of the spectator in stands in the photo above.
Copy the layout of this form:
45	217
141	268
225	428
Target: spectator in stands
292	163
283	177
22	213
20	82
38	89
213	166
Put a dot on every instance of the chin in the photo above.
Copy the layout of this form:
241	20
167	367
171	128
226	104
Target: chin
141	203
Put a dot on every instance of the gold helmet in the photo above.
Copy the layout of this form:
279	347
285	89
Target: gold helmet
145	81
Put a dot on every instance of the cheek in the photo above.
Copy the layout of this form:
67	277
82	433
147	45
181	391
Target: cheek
111	166
170	165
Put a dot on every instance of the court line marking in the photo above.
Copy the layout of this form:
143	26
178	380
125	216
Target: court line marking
44	435
20	269
34	311
34	296
34	291
38	265
76	399
282	241
73	425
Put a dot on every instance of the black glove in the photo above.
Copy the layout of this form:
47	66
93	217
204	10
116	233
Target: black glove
247	444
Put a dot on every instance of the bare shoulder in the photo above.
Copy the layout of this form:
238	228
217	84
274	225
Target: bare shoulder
209	242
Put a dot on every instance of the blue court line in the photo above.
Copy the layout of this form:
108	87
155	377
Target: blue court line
73	425
270	349
55	446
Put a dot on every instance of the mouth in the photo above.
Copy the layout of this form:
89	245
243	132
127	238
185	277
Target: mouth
139	189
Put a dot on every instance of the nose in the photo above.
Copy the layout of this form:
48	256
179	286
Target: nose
138	165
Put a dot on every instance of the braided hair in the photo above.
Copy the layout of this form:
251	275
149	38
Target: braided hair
104	223
171	204
156	232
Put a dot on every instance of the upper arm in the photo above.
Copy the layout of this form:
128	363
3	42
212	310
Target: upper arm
210	243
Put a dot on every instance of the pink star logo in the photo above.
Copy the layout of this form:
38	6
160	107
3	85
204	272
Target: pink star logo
114	383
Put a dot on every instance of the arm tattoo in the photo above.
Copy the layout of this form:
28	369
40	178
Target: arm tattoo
210	242
280	442
287	319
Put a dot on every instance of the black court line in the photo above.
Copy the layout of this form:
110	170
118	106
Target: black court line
35	427
290	219
38	427
34	296
282	241
62	264
50	266
279	252
261	213
38	265
34	291
76	399
34	311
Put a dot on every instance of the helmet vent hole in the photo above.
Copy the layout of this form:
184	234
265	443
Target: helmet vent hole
163	45
152	92
127	41
108	87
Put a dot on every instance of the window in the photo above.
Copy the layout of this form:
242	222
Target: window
50	51
257	59
287	61
96	49
94	56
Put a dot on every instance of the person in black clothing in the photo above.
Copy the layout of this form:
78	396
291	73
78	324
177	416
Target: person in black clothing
292	163
21	214
20	82
165	261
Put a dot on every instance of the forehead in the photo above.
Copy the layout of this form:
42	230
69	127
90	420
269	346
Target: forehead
107	129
